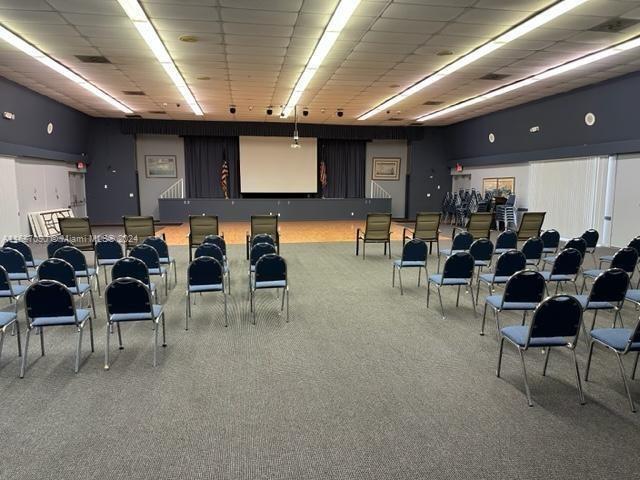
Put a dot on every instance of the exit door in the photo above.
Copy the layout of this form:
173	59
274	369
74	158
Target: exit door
77	194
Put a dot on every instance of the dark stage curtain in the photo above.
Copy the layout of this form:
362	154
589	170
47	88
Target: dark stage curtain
203	158
345	161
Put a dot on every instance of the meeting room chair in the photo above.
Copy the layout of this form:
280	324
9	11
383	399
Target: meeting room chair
205	274
77	230
577	243
9	315
218	241
49	303
199	227
163	252
621	341
607	293
79	263
507	264
427	229
414	255
55	243
14	264
457	271
551	240
565	269
530	225
136	229
523	292
635	244
482	252
507	240
591	237
134	268
377	230
479	225
461	243
555	323
212	250
108	252
62	271
151	259
25	250
130	300
263	224
270	273
625	259
257	252
532	250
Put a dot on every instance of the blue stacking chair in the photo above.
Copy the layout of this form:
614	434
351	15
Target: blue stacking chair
523	292
9	317
507	240
62	271
214	251
205	274
151	259
607	293
532	250
591	237
635	244
625	259
8	289
414	255
551	240
134	268
55	243
50	304
219	242
15	265
457	271
482	252
79	263
25	250
108	252
129	300
621	341
461	243
565	268
163	252
257	251
270	272
577	243
262	238
507	264
555	323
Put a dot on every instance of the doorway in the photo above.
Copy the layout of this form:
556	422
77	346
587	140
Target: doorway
77	194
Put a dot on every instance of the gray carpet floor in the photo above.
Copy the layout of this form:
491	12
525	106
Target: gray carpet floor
362	383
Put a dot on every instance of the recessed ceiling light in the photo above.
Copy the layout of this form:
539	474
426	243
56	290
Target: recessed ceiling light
188	38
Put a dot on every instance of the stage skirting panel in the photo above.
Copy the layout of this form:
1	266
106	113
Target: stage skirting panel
240	209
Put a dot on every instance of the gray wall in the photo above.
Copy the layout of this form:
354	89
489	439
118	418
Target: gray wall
151	188
396	188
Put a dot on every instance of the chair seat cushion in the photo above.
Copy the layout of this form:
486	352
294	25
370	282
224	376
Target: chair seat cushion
592	273
606	258
134	316
157	271
33	263
79	290
481	263
448	252
166	260
213	287
82	314
549	259
271	284
490	277
518	335
583	299
21	276
556	278
533	261
631	295
86	273
6	318
17	290
549	250
408	263
496	302
616	338
437	278
107	261
499	251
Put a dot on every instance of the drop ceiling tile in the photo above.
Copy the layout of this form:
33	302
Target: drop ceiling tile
523	5
407	26
413	39
252	29
260	17
422	12
473	29
492	17
189	27
25	5
181	12
23	16
97	20
279	5
605	8
87	6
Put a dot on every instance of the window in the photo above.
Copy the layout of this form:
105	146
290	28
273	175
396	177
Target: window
499	186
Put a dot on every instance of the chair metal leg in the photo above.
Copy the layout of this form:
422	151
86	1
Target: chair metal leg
1	341
106	350
23	364
106	281
524	318
93	304
624	380
78	349
389	249
287	292
428	292
473	300
253	307
155	343
441	306
187	311
97	276
500	357
484	317
91	334
226	319
41	329
282	303
17	325
164	332
586	372
458	296
175	273
546	362
578	382
393	276
120	347
524	374
400	281
420	274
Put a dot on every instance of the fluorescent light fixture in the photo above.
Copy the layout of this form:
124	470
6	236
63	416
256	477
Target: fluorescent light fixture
142	23
518	31
551	72
14	40
338	20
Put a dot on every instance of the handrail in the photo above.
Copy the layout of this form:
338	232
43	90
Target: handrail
377	191
174	191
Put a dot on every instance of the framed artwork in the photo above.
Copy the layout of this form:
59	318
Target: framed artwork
160	166
500	187
385	169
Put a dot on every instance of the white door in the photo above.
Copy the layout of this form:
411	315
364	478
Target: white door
77	194
9	220
626	202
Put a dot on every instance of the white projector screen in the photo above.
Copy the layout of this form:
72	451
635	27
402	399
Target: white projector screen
270	165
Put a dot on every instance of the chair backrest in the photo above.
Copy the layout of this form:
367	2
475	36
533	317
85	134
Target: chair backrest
591	236
481	250
578	244
635	244
556	316
108	250
77	230
210	250
509	263
5	283
507	239
511	201
532	248
48	298
55	244
524	286
479	225
59	270
131	267
427	225
12	260
550	238
128	295
530	225
72	255
262	238
567	262
378	226
200	226
159	244
216	240
635	334
264	224
147	254
462	241
459	265
259	250
610	286
415	251
271	268
136	229
626	258
205	271
22	247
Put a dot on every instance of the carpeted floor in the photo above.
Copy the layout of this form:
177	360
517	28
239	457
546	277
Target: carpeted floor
362	383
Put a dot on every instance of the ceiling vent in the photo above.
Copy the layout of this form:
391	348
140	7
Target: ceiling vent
495	76
134	92
615	25
416	124
133	115
395	119
433	102
157	112
92	59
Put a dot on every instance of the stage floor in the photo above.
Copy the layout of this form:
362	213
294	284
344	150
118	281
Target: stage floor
290	232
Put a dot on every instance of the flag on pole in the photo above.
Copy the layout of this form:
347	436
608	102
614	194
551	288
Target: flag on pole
224	176
323	178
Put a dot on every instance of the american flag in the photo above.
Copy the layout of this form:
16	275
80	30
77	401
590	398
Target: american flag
323	177
224	177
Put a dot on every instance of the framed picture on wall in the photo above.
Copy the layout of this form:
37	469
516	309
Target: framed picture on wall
385	168
499	187
160	166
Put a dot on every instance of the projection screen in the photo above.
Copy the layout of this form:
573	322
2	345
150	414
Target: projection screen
270	165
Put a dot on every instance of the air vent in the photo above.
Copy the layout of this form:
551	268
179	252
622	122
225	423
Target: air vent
157	112
395	119
615	25
134	92
133	115
92	59
433	102
416	124
495	76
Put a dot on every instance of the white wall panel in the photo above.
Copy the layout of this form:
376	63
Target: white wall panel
626	204
9	222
